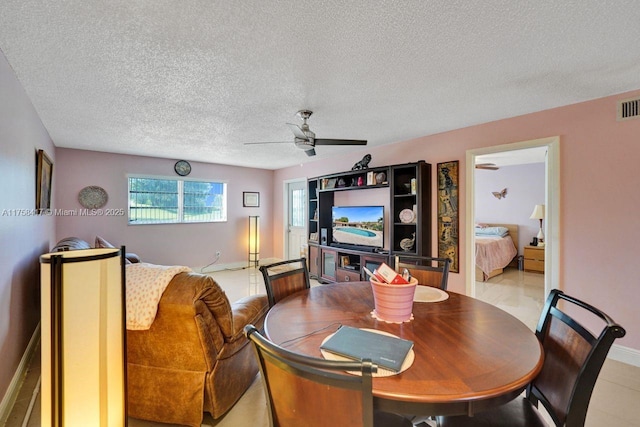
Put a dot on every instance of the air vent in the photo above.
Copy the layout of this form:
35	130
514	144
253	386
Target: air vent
628	109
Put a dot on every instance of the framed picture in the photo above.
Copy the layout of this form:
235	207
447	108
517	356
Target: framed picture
250	199
448	236
44	173
344	260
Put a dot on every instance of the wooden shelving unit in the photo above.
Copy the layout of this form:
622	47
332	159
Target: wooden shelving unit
409	189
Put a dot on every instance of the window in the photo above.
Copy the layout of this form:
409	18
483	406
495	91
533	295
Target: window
163	200
298	201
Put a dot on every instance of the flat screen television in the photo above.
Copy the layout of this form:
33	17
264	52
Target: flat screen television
358	225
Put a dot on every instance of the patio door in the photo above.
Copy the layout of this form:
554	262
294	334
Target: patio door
296	219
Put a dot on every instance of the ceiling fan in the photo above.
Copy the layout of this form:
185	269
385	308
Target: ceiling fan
306	140
488	166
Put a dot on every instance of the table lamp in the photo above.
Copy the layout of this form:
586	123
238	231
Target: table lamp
538	213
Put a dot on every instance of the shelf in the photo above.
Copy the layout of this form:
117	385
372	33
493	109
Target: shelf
355	180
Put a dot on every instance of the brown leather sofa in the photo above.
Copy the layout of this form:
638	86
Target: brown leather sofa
195	357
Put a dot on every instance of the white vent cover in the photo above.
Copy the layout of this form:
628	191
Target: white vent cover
628	109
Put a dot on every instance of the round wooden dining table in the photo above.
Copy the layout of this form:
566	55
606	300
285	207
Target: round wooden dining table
469	355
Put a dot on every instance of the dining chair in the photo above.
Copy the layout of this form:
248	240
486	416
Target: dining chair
428	270
312	392
284	278
573	357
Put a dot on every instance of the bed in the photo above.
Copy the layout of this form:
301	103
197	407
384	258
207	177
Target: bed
495	251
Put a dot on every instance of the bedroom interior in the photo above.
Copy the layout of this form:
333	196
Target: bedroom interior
532	163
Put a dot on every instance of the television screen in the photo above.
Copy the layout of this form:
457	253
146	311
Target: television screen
358	225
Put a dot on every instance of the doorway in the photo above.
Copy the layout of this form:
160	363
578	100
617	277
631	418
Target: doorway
552	202
295	210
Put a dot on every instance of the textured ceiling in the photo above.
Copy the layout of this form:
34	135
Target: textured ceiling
196	79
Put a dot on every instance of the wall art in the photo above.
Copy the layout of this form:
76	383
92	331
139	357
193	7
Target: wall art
448	223
44	171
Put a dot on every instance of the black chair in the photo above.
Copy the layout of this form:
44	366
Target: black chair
573	357
285	278
306	391
429	271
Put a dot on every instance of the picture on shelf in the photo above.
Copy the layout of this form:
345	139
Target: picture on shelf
313	237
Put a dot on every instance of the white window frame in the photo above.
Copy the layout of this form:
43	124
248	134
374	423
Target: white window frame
180	206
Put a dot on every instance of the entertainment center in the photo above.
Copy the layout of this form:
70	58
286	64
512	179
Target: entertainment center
344	238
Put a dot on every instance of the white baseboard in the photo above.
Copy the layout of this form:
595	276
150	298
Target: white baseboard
625	355
11	395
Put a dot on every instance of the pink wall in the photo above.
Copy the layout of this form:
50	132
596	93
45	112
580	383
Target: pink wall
525	188
599	194
24	236
193	245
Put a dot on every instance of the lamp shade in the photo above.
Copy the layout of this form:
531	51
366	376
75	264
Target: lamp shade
83	338
538	212
254	241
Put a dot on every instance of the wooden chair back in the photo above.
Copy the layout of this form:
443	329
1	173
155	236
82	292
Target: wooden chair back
428	270
306	391
284	278
573	358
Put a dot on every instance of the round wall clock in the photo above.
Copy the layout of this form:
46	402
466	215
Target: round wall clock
182	168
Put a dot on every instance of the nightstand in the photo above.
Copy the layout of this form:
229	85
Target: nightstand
534	259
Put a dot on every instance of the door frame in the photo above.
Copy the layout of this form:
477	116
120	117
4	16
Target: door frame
285	213
552	203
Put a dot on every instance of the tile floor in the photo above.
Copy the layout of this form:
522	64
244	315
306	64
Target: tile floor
614	402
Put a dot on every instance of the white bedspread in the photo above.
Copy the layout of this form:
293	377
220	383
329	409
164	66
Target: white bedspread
493	252
145	285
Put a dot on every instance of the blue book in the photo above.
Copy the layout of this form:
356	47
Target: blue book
383	350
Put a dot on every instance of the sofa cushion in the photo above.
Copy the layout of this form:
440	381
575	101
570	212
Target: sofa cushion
71	244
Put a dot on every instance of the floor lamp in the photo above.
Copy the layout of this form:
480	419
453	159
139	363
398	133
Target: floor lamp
83	338
254	241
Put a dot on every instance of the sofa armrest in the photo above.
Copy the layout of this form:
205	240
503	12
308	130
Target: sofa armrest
248	310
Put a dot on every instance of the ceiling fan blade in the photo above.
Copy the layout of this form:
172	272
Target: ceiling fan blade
311	152
297	131
488	166
267	142
319	141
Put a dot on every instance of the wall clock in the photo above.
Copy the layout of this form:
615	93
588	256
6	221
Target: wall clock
182	168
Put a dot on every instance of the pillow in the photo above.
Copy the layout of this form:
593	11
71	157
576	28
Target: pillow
101	243
492	231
